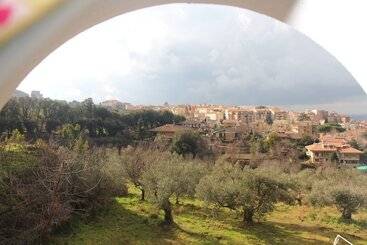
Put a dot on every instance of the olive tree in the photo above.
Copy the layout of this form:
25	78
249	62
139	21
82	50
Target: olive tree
346	189
254	192
170	176
134	162
188	178
189	143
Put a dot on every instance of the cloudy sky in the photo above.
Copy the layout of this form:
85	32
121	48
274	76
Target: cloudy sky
197	54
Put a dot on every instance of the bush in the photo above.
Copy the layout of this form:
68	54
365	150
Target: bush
42	187
344	188
171	176
189	143
253	192
328	127
133	163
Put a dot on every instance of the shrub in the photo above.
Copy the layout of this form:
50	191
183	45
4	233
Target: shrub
42	187
251	191
134	162
328	127
189	143
171	175
344	188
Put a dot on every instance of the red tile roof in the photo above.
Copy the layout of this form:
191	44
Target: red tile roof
329	147
320	148
350	150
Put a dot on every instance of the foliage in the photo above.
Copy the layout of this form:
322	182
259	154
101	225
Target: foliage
304	141
42	187
189	143
69	134
131	221
355	144
261	144
253	192
347	201
134	162
41	118
345	188
303	117
170	175
269	119
257	144
334	157
329	127
271	139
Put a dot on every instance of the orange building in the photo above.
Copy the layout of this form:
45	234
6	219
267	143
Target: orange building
333	149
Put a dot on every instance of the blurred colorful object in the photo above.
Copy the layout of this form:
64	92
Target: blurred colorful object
362	168
5	14
16	15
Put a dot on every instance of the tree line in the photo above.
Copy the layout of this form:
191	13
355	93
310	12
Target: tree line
41	118
44	185
63	161
253	191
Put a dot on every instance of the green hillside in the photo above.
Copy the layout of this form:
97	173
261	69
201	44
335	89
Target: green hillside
131	221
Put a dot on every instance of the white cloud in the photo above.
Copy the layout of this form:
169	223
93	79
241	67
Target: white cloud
193	54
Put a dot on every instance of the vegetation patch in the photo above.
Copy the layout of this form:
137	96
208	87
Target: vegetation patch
130	221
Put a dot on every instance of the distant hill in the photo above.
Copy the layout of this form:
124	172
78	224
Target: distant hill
19	94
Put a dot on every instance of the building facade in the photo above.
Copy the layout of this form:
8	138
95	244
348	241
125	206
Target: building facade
333	150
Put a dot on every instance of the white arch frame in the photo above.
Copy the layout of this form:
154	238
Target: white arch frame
29	48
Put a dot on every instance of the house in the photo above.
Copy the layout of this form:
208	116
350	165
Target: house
168	131
333	149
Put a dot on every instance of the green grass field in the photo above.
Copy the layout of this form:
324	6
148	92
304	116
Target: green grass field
130	221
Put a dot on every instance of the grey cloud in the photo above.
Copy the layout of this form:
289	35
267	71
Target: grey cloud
214	56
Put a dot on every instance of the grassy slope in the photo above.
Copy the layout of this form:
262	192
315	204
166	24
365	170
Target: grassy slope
130	221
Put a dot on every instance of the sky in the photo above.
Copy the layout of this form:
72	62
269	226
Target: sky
189	54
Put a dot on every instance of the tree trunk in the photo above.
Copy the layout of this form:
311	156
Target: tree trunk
119	150
248	216
142	195
346	214
299	199
168	218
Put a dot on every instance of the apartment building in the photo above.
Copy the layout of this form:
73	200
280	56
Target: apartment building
279	115
333	150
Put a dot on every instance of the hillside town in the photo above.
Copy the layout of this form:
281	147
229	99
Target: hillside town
180	154
183	122
331	137
229	131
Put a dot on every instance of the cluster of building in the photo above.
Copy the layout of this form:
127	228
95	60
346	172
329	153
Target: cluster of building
247	115
225	126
